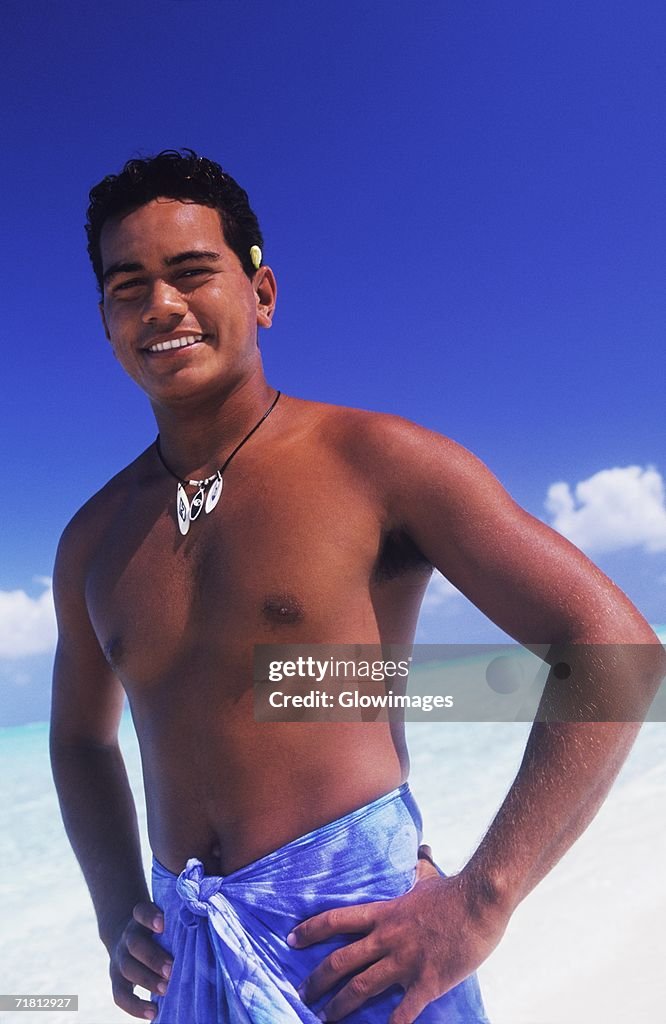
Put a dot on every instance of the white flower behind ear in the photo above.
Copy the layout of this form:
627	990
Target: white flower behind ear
255	256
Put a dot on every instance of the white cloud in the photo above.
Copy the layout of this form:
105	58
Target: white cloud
439	592
27	624
617	508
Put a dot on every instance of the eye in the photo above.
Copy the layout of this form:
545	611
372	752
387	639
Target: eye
192	278
125	285
194	272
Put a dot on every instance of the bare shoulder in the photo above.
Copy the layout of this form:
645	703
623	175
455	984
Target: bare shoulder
361	433
395	455
524	576
86	529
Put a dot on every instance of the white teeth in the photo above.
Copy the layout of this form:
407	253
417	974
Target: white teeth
164	346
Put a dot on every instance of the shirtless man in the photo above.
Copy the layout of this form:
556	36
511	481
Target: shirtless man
326	531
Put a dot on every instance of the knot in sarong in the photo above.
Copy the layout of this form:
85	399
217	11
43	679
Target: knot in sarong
195	889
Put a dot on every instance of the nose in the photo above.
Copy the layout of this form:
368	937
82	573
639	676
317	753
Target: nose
162	302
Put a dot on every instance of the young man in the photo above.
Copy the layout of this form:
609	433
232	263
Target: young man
285	878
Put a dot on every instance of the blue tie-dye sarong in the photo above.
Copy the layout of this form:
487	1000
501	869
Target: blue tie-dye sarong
228	934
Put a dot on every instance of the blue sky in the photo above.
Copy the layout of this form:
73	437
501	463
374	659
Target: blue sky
463	203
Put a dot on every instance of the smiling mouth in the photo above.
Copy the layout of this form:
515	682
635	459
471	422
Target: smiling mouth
171	343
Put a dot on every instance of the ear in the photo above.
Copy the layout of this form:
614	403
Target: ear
265	289
100	306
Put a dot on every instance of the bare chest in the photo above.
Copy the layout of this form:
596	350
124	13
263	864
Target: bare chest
286	556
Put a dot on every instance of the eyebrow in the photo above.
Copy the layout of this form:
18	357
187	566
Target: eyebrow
122	267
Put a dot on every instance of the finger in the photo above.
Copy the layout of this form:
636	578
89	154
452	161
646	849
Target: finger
425	865
149	915
337	965
350	920
359	989
147	951
127	1001
134	971
407	1011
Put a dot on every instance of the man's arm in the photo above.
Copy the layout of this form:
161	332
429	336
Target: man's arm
539	589
542	591
95	798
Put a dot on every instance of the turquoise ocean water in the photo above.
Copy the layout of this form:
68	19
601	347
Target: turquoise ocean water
586	948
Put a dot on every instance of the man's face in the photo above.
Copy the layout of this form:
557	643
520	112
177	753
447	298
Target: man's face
170	277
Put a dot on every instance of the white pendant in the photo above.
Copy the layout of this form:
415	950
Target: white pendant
182	510
196	504
214	494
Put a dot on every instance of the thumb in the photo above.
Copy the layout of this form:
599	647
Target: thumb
425	867
149	915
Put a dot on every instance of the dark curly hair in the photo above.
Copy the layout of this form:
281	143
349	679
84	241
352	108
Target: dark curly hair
174	174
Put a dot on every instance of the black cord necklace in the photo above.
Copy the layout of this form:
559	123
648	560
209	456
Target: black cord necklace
187	511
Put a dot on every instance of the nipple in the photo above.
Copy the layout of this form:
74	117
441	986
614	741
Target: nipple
282	608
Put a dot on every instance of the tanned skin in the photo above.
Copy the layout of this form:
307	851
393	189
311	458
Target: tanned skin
330	522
